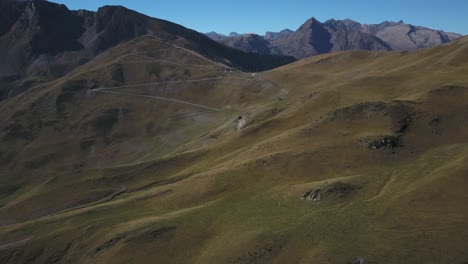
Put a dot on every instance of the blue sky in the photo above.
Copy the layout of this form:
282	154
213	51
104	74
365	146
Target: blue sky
258	16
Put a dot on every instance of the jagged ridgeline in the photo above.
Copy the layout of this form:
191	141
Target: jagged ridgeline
314	37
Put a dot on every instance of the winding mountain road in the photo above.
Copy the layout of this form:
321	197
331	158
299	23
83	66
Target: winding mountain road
160	98
12	245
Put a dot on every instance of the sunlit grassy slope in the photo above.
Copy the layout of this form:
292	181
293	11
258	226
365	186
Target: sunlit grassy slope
94	177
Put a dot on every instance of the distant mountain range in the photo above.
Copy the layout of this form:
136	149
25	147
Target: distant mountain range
314	37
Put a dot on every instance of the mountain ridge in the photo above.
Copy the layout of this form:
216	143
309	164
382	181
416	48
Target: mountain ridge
40	38
344	35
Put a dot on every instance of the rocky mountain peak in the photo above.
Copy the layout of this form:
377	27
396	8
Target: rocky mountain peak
310	23
273	35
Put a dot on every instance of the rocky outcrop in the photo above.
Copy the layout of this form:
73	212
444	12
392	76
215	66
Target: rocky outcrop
312	195
336	189
241	122
387	142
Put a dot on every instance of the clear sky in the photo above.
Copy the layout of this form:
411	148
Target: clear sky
259	16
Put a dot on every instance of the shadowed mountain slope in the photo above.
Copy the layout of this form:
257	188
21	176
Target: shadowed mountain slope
41	41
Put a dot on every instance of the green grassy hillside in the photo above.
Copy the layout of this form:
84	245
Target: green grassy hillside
151	153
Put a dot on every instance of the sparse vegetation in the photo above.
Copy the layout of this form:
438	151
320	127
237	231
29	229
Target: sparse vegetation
381	138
